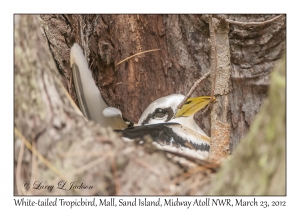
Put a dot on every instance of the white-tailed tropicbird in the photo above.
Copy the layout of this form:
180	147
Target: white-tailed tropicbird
170	128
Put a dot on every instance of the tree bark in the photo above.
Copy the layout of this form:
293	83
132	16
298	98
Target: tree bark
62	147
45	116
220	74
258	165
183	58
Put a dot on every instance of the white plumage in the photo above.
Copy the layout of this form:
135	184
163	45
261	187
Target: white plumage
89	97
169	132
167	103
186	129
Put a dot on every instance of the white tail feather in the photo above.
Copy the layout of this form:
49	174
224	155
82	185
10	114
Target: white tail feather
112	112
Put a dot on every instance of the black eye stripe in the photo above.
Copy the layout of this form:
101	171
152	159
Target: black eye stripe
151	115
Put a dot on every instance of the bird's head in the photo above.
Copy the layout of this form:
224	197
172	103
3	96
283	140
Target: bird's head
164	109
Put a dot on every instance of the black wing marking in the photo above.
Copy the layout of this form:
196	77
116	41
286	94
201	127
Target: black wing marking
163	134
129	123
79	92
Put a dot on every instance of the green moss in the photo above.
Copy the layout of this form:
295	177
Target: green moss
261	154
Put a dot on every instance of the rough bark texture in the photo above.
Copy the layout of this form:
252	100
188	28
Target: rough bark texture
184	57
253	50
134	84
73	149
258	165
220	75
84	151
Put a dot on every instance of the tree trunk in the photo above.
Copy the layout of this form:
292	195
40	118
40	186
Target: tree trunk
183	58
258	165
46	117
62	147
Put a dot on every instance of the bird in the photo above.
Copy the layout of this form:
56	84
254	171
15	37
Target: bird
91	103
173	129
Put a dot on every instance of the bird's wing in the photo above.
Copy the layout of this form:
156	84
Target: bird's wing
172	134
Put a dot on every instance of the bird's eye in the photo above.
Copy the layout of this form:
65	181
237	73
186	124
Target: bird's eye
159	113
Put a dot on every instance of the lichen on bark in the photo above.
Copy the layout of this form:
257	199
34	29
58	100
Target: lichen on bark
258	164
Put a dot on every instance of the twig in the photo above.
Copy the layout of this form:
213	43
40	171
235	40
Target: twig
136	55
73	104
187	174
35	152
205	164
116	85
206	108
115	174
212	71
33	166
18	171
193	89
253	23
